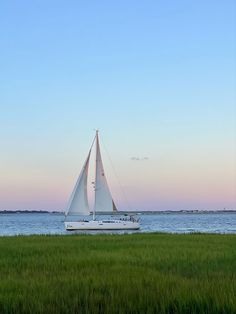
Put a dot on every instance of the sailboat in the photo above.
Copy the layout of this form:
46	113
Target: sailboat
104	203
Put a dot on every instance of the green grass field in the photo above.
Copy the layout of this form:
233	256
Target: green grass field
140	273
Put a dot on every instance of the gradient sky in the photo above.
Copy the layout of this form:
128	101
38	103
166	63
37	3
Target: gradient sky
156	77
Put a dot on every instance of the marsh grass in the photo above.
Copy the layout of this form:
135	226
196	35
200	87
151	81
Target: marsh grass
139	273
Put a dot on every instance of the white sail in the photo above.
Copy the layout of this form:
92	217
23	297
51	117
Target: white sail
103	198
78	204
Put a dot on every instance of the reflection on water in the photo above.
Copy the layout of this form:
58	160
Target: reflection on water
14	224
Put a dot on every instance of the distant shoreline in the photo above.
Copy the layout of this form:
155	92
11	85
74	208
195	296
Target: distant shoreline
125	212
29	212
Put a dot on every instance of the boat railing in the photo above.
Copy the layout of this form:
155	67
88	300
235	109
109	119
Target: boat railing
130	218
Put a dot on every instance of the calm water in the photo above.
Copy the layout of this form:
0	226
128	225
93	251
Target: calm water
14	224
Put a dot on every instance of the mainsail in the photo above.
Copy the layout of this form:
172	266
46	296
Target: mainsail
103	198
78	204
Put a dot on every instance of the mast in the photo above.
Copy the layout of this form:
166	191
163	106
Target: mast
103	198
97	143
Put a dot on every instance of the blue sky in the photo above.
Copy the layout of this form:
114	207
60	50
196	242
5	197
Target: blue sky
156	77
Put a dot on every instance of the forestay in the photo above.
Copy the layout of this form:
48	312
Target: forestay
78	204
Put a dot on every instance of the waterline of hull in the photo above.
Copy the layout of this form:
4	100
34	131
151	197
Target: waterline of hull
102	225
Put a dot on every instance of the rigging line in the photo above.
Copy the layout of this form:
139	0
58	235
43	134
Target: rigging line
93	143
117	178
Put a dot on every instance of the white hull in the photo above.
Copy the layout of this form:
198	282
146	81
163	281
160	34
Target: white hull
102	225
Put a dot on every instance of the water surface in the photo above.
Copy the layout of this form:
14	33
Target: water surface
46	223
